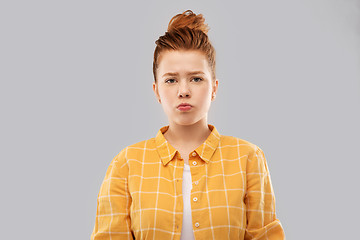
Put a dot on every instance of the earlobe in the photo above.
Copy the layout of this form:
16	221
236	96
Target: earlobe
213	96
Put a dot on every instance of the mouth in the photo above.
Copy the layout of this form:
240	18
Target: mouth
184	107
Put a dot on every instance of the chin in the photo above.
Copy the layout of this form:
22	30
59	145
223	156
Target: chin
186	121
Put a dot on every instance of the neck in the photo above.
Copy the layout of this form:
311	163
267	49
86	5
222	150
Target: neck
183	135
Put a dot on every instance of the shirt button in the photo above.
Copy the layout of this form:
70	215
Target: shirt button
194	154
196	182
197	224
195	199
194	163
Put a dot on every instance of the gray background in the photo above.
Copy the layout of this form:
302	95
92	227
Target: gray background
76	88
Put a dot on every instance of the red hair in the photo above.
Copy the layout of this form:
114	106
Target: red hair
186	31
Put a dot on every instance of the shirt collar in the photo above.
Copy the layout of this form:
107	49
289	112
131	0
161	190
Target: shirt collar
205	150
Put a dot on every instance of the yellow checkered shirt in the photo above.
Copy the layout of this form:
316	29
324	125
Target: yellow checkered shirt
231	198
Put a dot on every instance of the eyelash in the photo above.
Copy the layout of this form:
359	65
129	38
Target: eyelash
193	78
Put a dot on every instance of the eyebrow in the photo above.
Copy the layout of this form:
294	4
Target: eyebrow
188	73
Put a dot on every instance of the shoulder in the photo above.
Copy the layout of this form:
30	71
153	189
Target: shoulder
137	150
243	145
234	146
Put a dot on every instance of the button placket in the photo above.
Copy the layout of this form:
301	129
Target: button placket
194	154
195	199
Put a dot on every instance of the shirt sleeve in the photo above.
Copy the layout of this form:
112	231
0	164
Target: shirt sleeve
113	203
260	201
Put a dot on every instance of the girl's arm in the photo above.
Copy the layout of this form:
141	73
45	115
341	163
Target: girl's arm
260	201
113	203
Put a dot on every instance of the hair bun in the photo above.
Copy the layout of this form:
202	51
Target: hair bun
190	20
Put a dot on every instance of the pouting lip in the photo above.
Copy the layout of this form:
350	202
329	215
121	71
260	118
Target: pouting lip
184	104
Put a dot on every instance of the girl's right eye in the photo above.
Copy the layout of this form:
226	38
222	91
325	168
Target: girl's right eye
169	80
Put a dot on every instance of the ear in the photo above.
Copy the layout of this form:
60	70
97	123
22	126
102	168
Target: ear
156	91
215	86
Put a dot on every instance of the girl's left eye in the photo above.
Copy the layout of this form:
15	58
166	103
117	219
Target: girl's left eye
198	78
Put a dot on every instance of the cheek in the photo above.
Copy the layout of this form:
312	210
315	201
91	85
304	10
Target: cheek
167	97
205	95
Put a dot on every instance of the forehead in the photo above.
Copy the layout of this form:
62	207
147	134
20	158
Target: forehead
182	60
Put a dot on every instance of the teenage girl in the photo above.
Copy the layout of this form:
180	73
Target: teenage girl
188	181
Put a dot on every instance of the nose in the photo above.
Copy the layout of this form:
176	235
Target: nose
184	90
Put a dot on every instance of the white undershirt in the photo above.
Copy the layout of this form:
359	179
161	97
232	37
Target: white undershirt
187	228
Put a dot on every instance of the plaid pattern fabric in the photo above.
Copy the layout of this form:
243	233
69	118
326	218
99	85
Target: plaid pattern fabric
232	196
